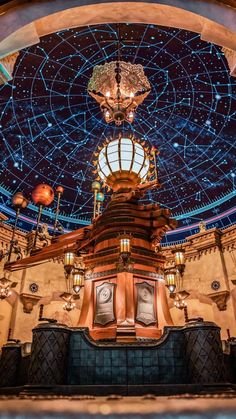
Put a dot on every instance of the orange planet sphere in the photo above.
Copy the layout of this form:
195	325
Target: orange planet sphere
42	194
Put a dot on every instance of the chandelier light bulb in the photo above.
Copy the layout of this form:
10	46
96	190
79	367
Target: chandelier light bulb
132	94
108	94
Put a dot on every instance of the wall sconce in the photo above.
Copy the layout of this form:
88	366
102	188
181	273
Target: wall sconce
69	260
78	280
5	287
170	281
125	252
179	257
125	244
182	305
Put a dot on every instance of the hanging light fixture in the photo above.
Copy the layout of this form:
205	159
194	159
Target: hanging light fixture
119	87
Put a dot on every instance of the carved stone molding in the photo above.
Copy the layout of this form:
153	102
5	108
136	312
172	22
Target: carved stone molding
230	56
7	67
29	301
220	298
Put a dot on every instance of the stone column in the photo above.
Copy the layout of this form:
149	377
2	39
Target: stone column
10	364
204	354
48	365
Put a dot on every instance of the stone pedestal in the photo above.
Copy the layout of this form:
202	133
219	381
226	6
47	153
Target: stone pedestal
204	355
10	364
48	363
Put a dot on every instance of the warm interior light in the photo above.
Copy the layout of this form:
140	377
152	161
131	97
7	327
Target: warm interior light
125	245
78	281
123	154
179	258
69	259
170	281
108	94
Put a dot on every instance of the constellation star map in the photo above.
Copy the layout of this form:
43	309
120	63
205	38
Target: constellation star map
50	127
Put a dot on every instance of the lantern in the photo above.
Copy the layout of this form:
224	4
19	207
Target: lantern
170	281
69	259
78	281
125	244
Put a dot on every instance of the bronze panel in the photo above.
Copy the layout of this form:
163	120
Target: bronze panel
145	303
104	310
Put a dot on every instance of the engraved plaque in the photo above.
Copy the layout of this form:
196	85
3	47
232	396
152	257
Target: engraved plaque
145	303
104	312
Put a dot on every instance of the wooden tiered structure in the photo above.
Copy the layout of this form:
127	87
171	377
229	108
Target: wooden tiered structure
124	292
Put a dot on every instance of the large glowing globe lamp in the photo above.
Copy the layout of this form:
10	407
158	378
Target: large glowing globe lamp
123	163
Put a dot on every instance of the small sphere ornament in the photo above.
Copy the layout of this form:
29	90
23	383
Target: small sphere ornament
96	186
42	194
100	197
59	189
19	201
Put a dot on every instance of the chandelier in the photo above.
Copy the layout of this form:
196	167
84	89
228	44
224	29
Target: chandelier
119	87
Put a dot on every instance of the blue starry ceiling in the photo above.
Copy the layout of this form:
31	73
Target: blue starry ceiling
50	126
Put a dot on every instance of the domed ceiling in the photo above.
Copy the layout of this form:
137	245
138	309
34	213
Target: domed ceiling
50	126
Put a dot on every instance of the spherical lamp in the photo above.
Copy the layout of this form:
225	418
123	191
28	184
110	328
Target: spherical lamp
123	163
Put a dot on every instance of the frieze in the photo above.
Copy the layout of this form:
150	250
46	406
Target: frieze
140	272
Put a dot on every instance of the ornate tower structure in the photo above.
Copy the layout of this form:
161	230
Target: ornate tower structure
124	288
124	291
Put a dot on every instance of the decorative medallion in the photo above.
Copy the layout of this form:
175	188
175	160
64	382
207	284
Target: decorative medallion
33	287
215	285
